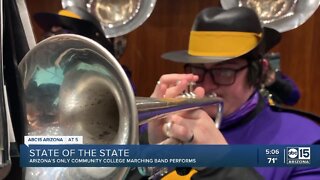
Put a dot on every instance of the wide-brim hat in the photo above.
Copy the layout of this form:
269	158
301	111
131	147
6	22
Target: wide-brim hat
78	21
218	35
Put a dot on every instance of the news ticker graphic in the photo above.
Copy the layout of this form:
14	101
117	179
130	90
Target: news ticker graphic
169	155
37	140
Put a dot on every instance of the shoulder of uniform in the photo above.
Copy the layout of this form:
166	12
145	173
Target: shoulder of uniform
309	115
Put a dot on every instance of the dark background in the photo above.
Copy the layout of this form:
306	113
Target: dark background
168	29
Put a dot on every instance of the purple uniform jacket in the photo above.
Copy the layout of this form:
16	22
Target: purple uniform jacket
266	126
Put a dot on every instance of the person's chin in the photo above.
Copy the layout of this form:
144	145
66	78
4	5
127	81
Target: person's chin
211	110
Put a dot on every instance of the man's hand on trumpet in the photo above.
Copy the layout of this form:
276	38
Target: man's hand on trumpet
191	127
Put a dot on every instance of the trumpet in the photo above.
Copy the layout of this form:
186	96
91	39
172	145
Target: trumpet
74	86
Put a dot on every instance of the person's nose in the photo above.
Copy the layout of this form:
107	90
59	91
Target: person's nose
208	83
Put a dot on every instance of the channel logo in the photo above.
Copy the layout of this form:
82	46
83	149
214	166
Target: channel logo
298	155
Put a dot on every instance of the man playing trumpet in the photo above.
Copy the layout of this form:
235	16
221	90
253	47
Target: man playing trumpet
225	60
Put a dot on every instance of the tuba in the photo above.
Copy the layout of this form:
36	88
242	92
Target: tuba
116	17
282	15
73	86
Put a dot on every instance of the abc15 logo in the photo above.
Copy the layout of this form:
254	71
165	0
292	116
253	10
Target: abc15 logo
299	152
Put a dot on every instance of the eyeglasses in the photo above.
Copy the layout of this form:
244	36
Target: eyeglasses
220	76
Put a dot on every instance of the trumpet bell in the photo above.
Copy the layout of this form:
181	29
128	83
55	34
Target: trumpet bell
117	17
282	15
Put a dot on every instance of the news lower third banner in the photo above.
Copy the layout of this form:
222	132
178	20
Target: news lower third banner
80	155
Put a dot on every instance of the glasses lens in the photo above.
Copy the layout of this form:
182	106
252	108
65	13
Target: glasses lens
196	71
223	76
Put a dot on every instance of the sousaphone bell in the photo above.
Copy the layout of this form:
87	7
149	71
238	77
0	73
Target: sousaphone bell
282	15
116	17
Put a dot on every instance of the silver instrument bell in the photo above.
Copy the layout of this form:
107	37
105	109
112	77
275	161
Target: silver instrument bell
117	17
282	15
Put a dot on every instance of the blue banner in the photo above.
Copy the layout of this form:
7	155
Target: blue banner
169	155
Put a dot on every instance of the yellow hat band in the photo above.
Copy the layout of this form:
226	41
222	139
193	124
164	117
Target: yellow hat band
69	14
222	43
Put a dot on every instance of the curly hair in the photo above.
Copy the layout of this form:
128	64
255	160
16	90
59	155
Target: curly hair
255	72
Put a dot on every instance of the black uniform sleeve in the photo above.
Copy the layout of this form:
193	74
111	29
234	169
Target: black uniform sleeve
284	90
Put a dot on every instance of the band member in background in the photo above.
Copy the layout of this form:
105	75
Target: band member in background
224	58
276	86
78	21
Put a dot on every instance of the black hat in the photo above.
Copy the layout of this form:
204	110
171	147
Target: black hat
76	20
218	35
